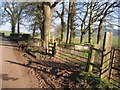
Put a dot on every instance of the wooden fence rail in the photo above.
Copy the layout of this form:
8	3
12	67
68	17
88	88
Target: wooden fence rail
114	72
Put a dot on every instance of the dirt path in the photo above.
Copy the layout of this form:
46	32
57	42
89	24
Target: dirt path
13	75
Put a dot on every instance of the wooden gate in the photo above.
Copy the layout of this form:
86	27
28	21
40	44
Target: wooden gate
109	68
105	52
51	48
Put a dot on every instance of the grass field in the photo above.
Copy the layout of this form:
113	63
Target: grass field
115	40
7	33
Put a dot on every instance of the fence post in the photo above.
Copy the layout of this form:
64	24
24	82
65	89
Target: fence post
53	39
105	62
91	58
54	49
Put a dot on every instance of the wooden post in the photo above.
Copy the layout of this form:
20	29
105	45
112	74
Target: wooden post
3	34
53	39
91	58
105	62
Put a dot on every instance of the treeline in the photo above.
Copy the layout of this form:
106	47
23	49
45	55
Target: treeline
75	17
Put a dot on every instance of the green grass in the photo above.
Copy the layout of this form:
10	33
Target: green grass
7	33
115	40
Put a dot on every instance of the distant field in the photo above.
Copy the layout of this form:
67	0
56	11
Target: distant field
7	33
115	41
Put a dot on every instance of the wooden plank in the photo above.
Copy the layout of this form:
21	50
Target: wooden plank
97	50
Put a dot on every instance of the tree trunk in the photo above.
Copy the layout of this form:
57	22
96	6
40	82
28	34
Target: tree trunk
18	27
48	12
68	25
62	22
68	30
13	26
47	20
82	37
90	33
34	29
90	24
99	32
82	32
62	29
72	33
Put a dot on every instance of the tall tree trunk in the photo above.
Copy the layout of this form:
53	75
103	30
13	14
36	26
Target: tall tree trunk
99	32
18	27
13	26
47	20
34	29
48	12
90	23
62	30
82	33
72	27
62	22
82	38
83	30
90	33
68	25
61	15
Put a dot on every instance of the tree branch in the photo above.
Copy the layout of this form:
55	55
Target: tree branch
55	3
58	14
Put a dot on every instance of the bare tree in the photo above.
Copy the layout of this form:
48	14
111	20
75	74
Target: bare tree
10	12
34	15
70	23
83	29
94	13
106	12
61	15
